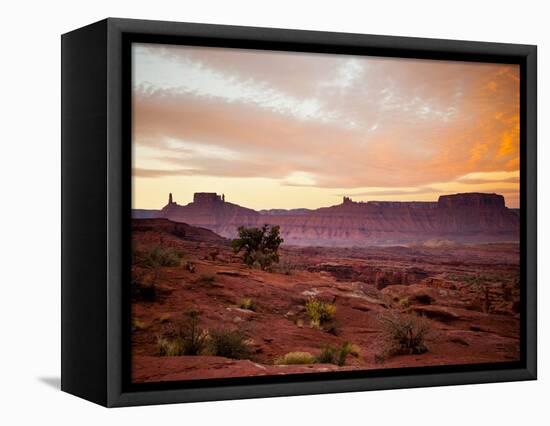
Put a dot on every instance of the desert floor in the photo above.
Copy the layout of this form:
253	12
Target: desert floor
467	295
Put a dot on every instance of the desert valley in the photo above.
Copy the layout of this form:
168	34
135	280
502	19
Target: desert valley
221	290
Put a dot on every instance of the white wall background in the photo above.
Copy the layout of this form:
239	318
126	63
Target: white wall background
30	211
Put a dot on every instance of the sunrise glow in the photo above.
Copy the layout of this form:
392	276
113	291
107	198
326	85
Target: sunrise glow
287	130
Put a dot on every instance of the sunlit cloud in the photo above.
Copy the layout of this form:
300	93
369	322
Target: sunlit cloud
396	191
347	75
318	126
300	179
490	177
158	75
156	173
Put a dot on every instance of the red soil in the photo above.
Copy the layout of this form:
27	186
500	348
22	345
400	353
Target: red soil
467	325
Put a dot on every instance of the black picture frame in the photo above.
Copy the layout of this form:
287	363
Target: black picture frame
96	183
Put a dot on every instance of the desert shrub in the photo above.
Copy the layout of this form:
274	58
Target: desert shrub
229	344
260	246
139	325
319	312
343	351
354	350
332	327
404	302
188	339
193	337
247	303
169	347
153	260
327	355
205	279
292	358
336	354
404	334
158	256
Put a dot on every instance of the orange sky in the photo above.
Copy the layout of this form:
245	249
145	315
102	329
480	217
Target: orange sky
287	130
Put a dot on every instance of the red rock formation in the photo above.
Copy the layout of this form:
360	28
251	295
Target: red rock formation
181	230
209	210
471	200
471	217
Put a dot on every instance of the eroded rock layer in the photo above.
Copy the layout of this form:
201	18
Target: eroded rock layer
470	217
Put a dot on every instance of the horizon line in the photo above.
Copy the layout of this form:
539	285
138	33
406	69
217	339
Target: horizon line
344	198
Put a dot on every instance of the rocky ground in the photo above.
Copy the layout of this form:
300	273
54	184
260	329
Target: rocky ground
466	295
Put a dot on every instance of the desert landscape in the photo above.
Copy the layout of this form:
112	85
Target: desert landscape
442	290
300	212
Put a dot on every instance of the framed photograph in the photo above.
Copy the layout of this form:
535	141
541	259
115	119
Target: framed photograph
254	212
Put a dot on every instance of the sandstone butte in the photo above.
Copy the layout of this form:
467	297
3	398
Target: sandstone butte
462	218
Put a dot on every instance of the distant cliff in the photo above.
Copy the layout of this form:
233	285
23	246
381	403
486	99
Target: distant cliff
470	217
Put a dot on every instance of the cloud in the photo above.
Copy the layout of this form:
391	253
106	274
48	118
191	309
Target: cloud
155	173
323	121
490	178
485	181
385	192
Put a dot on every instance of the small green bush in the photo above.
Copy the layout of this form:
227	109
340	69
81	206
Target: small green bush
189	339
354	350
152	260
327	355
260	246
292	358
229	344
336	355
158	256
193	337
319	312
